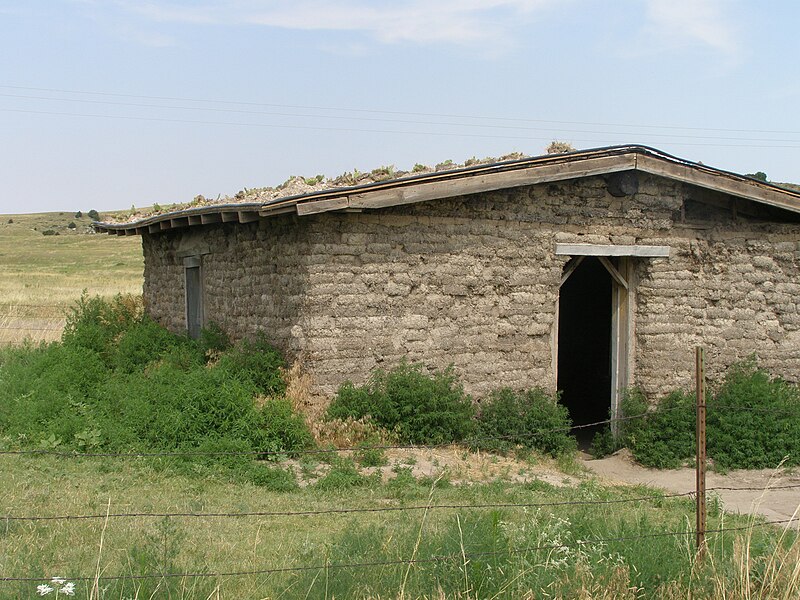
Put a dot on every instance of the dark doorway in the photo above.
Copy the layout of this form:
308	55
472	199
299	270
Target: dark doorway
584	343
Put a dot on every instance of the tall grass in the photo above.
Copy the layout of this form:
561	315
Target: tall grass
42	276
467	553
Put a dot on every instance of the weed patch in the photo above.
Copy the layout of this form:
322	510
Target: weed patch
420	408
530	420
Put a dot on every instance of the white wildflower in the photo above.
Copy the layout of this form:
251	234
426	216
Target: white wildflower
68	589
43	589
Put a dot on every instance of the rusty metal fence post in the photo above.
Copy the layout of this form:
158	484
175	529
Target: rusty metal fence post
700	376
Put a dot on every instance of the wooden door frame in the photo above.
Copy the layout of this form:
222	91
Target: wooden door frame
622	301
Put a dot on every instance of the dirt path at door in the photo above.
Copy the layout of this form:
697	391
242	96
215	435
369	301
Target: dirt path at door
767	500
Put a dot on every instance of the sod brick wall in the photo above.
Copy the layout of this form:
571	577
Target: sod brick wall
473	281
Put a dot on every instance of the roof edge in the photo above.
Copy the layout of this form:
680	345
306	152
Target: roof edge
510	173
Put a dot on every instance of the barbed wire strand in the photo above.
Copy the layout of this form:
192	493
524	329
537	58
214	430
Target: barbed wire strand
462	443
338	511
382	509
407	561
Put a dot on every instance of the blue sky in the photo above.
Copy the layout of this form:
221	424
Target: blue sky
111	103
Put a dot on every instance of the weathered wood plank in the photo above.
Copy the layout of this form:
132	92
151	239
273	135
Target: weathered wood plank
205	219
612	270
268	212
611	250
422	192
247	216
718	182
319	206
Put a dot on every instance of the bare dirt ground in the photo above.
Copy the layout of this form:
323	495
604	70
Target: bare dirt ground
767	500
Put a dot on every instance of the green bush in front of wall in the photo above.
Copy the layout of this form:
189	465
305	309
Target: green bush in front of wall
118	382
531	419
752	422
420	407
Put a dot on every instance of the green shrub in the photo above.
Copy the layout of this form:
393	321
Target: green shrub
213	339
368	456
44	390
283	430
665	438
256	362
342	475
94	215
604	443
142	343
273	479
753	420
120	382
95	323
420	408
531	419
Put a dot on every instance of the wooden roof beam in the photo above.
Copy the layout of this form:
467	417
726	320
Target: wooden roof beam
208	218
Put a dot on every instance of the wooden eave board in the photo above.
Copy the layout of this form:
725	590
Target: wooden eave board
720	182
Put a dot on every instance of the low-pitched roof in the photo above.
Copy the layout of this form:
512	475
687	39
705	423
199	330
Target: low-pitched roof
470	180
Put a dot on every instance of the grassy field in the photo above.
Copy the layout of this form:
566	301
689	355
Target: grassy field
41	275
490	552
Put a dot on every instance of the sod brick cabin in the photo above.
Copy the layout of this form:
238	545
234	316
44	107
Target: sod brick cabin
586	272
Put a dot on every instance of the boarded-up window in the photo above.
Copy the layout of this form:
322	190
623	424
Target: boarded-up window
194	296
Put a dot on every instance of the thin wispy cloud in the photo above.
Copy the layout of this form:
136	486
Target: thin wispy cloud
692	21
464	22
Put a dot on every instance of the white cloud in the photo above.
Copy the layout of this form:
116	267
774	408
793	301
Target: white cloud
695	21
415	21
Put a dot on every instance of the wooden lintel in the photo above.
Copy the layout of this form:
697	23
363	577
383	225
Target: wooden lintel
491	181
616	275
318	206
179	222
230	217
164	225
210	218
611	250
570	269
195	220
246	216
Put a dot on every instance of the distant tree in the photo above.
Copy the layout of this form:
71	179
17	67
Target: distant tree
760	175
79	215
94	215
10	221
71	225
558	147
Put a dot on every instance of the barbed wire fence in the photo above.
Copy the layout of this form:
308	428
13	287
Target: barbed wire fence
699	532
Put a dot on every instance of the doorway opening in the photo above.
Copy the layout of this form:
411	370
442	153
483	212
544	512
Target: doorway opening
585	327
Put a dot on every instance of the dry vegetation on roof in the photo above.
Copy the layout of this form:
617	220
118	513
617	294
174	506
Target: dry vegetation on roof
297	185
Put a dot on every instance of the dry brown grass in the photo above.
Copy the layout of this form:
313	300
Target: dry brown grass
339	433
41	277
